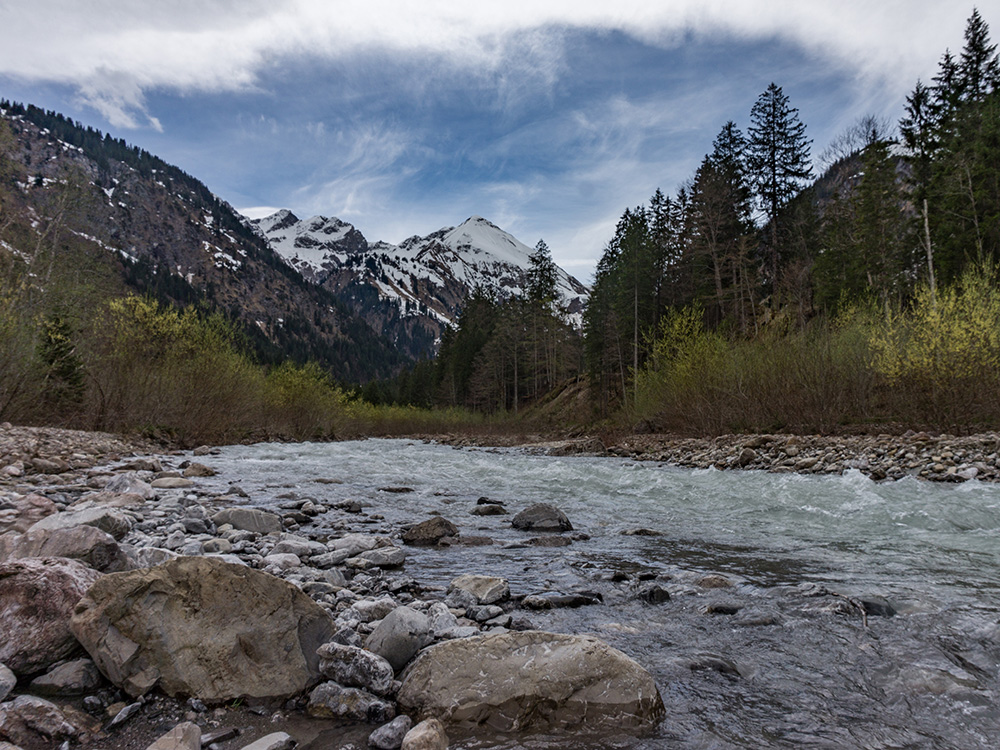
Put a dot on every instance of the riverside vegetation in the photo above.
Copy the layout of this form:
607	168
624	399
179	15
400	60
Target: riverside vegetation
750	302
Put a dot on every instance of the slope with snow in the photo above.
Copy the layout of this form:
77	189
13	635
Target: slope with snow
420	283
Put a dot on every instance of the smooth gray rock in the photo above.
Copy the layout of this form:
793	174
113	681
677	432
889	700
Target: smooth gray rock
541	517
530	681
399	636
248	519
77	677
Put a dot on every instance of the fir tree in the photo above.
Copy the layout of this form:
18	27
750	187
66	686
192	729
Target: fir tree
777	160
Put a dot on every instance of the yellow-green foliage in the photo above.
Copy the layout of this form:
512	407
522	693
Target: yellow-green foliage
159	368
303	402
700	381
954	335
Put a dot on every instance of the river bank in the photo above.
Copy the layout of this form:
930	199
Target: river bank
728	586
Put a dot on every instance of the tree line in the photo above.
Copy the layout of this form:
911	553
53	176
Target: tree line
756	246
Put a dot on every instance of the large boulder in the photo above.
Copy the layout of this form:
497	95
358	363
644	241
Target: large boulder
88	544
20	512
541	517
430	532
37	596
531	681
202	627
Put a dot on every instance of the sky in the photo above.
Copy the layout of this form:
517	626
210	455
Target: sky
547	117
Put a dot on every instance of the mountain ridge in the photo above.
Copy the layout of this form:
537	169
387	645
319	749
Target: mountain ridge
410	291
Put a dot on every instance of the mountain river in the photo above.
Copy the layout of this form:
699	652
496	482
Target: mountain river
783	656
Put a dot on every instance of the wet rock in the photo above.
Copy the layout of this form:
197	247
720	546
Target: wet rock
77	677
541	517
88	544
332	701
531	681
653	593
399	636
186	736
484	589
25	511
721	608
7	682
203	627
427	735
390	736
430	532
876	606
642	532
355	667
712	663
489	510
555	601
37	597
248	519
396	490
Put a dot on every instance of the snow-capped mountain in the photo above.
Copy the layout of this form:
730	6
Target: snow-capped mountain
411	290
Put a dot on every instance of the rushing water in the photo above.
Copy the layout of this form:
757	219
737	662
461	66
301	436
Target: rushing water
795	665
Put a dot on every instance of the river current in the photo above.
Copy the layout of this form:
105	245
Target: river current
783	656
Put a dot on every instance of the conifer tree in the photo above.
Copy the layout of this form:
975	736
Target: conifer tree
777	161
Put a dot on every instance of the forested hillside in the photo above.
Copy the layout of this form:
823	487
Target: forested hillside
760	296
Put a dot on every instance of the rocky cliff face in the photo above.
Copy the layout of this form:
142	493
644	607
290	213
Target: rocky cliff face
165	233
410	291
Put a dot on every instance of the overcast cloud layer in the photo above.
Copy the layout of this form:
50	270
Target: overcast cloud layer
547	117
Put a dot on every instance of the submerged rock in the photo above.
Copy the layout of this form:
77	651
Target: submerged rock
203	627
531	681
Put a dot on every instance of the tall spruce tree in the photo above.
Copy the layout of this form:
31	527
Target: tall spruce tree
778	163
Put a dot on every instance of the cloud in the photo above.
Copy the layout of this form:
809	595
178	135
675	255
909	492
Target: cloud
116	51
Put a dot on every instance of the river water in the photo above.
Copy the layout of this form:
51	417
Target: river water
783	656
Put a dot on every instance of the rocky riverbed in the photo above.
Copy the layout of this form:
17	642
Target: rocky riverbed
140	610
148	602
